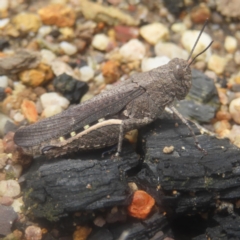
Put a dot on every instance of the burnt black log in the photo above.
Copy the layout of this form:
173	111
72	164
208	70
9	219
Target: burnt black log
190	180
54	188
185	183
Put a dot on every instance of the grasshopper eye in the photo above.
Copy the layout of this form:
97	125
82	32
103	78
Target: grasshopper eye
178	72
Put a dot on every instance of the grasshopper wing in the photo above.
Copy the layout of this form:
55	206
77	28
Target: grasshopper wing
75	118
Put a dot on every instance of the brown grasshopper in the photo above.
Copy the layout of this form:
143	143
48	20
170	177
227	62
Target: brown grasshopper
104	120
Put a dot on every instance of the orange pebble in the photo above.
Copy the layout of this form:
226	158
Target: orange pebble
110	71
141	205
223	115
29	110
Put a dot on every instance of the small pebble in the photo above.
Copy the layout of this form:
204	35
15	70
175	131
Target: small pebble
188	39
68	48
44	30
50	99
38	76
3	121
67	33
200	13
132	50
6	201
29	110
18	117
9	188
154	32
170	50
150	63
3	160
99	221
16	169
8	216
81	233
4	4
99	80
33	233
26	22
4	22
59	67
234	135
223	115
57	14
237	57
230	44
101	42
17	205
133	186
168	150
47	56
3	81
234	109
87	73
217	63
51	111
125	33
178	27
222	127
110	71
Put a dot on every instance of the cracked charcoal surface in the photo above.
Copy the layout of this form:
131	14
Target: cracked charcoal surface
187	170
199	181
51	182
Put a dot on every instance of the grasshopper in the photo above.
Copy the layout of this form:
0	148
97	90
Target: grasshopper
104	120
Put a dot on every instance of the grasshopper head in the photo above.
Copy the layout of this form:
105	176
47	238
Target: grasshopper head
181	75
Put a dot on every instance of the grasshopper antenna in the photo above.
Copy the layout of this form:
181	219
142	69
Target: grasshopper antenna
195	44
200	54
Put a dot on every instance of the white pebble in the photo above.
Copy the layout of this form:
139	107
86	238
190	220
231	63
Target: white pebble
47	56
17	205
3	81
170	50
51	110
237	57
4	4
188	40
44	30
178	27
50	99
154	32
150	63
4	22
87	73
234	109
101	41
60	67
217	64
99	80
230	44
132	50
18	117
9	188
68	48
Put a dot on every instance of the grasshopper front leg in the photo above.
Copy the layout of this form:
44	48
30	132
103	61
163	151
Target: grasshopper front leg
128	125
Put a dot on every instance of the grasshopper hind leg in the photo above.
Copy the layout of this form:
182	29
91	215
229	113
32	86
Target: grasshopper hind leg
128	125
